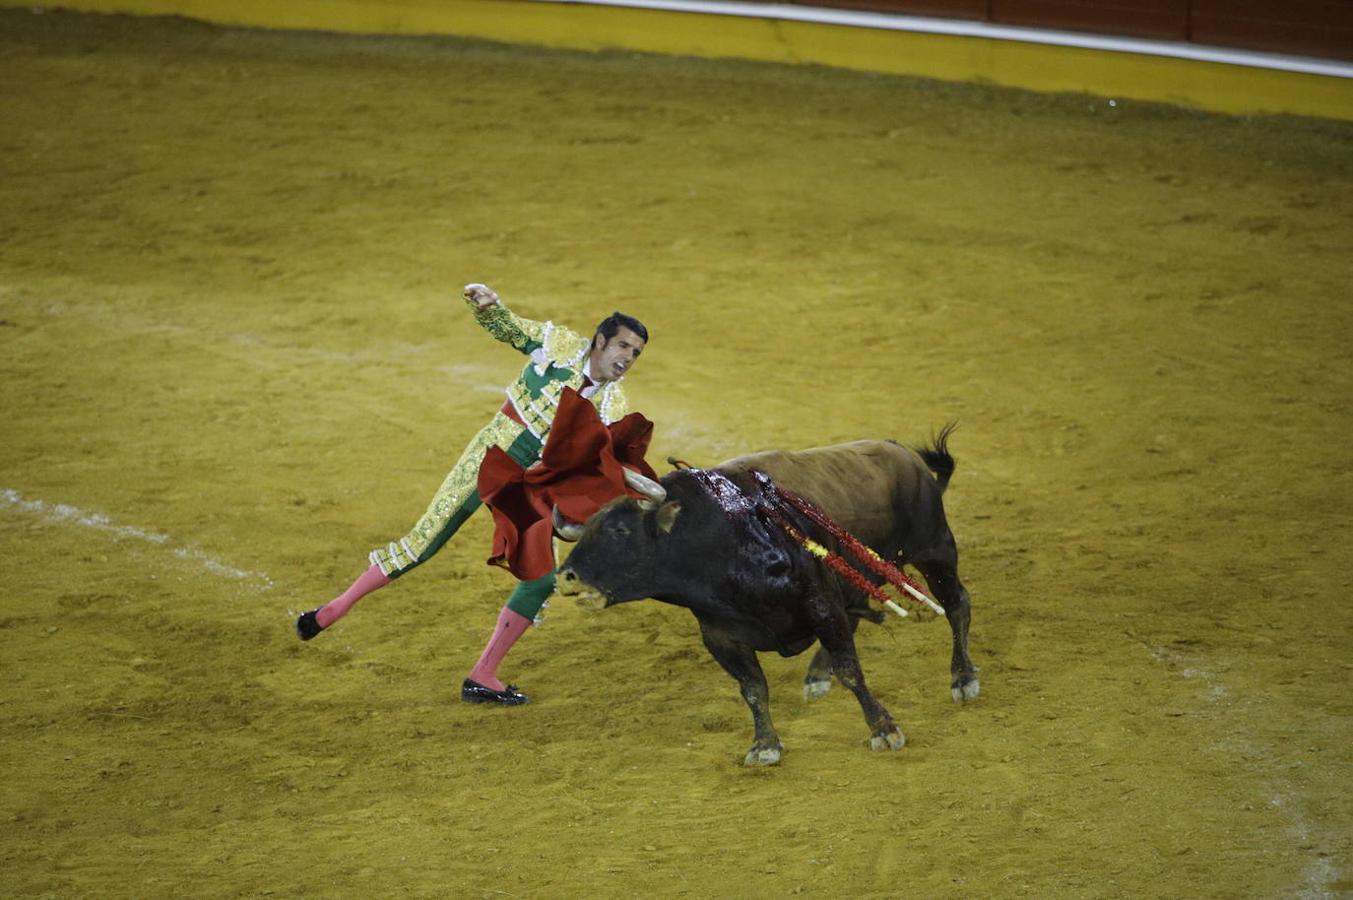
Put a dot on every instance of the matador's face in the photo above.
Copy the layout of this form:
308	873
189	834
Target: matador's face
612	358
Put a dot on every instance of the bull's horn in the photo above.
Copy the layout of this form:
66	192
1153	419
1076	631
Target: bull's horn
646	486
569	531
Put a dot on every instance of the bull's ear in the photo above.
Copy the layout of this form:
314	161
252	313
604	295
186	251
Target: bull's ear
667	515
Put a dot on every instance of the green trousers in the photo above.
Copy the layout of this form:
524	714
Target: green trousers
454	503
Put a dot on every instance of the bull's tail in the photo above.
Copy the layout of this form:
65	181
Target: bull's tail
937	456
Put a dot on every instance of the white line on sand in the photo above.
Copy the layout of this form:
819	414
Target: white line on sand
62	514
1320	872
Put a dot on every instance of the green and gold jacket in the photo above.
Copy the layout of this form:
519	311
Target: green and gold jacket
558	356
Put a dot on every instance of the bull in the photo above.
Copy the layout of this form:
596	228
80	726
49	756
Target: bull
701	542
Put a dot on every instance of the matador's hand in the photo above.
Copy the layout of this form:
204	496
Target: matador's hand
481	295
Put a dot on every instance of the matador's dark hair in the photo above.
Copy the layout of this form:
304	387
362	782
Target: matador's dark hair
612	324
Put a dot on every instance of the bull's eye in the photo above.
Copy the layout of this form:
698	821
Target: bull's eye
619	528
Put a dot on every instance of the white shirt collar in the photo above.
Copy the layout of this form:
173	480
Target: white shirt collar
591	389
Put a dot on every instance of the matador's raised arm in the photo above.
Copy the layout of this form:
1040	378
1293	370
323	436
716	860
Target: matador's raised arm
499	321
527	335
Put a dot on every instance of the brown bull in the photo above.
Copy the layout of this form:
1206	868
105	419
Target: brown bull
705	545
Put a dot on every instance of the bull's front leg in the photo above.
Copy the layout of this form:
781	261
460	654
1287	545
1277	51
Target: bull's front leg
836	632
739	660
817	681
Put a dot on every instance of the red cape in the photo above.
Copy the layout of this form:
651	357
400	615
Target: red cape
580	469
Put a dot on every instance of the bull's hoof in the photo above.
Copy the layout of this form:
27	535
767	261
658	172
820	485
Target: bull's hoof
893	739
966	691
764	756
814	689
307	626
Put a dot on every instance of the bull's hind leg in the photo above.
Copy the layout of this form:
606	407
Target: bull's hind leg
818	680
949	591
836	631
739	660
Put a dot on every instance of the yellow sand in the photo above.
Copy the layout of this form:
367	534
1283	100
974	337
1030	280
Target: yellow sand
234	360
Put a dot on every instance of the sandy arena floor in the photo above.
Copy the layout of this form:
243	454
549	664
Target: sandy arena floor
234	359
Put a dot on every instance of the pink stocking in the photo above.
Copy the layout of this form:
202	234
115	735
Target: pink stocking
338	607
511	625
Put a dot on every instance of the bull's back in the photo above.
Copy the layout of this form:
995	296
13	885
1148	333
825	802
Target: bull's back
859	484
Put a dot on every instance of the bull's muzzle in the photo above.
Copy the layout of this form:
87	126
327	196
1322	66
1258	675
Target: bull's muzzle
566	582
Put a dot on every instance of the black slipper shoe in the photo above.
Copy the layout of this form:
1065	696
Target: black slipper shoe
474	692
306	626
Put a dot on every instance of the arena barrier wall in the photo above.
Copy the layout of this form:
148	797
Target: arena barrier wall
1204	78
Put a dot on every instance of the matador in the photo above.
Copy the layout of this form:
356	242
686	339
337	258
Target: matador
558	358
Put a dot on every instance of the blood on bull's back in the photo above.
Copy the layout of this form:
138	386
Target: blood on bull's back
861	484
